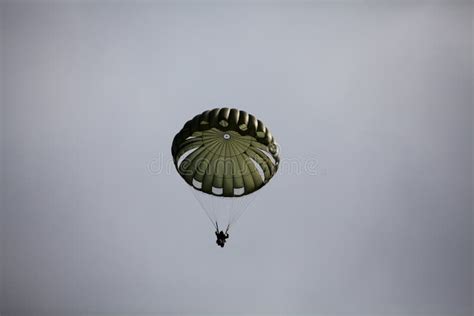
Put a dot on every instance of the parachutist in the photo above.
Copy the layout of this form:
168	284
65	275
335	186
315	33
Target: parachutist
221	238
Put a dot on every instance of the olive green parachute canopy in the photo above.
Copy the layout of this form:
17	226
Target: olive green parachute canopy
225	152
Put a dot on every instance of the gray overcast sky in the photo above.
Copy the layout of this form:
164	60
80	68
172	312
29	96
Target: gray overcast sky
379	95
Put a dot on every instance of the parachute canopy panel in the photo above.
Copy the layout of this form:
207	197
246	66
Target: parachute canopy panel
225	152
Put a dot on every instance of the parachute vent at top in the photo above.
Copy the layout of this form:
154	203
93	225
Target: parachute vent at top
225	152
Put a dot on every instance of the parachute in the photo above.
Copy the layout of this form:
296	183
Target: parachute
225	155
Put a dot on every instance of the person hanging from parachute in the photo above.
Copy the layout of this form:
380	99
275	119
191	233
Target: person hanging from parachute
221	236
226	156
